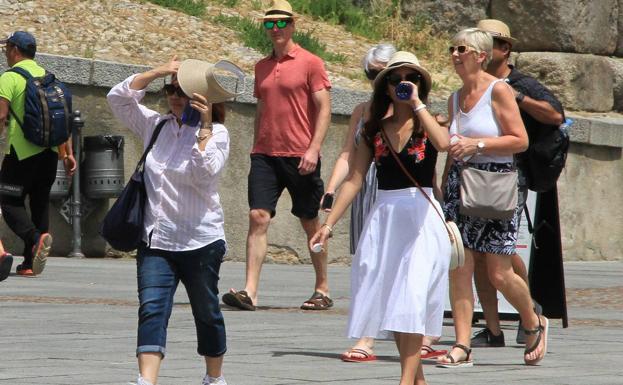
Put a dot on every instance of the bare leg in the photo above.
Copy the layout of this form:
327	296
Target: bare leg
516	292
319	260
487	295
214	366
409	346
257	243
520	268
462	300
149	366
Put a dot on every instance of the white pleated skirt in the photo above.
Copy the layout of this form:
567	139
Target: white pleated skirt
399	277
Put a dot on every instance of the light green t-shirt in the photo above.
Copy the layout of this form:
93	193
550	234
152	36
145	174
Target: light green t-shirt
12	88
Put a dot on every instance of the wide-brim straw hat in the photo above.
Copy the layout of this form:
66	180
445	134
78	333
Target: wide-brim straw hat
497	29
404	59
196	76
279	9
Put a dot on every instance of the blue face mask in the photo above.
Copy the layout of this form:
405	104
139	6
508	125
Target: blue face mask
190	116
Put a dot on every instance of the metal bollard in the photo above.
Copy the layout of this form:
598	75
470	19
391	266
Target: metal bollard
78	123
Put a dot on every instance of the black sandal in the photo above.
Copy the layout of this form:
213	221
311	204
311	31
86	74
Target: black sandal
541	332
461	363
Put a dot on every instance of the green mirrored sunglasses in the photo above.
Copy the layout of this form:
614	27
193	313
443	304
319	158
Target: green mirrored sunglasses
281	24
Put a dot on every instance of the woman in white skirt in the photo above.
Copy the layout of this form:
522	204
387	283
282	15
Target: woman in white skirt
399	275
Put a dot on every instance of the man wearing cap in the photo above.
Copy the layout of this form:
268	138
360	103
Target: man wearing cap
291	121
540	109
26	166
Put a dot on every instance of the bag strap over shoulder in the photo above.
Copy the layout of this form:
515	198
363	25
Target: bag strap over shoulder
26	75
412	179
154	136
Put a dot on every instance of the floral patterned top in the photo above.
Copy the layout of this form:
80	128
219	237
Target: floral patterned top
418	156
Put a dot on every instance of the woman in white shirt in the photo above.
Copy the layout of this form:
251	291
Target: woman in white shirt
487	130
183	237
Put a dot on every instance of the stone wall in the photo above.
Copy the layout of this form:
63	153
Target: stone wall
590	189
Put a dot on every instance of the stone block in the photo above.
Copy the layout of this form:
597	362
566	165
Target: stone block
107	74
617	91
581	82
582	26
619	50
463	13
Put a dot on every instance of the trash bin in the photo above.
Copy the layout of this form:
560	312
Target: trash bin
102	167
60	188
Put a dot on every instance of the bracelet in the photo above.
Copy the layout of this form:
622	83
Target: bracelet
203	137
419	108
206	127
328	227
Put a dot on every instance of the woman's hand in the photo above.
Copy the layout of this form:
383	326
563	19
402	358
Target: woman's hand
322	236
168	68
462	148
201	105
415	96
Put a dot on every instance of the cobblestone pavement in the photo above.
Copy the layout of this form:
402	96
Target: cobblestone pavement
76	324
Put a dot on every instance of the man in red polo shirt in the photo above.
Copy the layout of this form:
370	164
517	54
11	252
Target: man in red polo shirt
291	121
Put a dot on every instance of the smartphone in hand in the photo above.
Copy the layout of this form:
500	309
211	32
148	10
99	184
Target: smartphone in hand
327	201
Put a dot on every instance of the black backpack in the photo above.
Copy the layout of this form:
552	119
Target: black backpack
543	161
546	157
47	110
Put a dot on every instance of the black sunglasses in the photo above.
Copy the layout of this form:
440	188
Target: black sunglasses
372	74
281	24
395	78
171	89
460	49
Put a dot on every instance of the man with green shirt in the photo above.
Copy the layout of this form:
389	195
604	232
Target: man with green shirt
27	169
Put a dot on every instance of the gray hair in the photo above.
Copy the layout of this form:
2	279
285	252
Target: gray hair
380	53
477	39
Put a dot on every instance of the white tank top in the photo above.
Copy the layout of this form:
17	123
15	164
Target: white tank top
479	122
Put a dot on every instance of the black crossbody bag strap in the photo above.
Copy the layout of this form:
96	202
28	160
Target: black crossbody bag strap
154	136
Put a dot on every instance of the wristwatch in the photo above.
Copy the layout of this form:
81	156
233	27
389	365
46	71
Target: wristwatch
480	147
519	97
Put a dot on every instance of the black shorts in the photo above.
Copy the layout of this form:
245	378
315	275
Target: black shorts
269	175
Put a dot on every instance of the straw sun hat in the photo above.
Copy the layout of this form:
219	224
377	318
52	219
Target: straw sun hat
404	59
196	76
279	9
497	30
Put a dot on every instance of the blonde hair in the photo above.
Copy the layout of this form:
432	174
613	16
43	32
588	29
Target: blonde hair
478	39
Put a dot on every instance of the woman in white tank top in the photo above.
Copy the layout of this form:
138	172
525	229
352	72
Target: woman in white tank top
487	130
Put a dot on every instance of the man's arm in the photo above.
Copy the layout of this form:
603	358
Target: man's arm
4	114
322	101
541	104
258	115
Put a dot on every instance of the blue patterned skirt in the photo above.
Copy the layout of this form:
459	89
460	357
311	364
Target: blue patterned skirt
494	236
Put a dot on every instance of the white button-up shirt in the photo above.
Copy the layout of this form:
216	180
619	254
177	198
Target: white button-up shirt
183	206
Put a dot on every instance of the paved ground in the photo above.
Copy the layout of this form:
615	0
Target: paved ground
76	325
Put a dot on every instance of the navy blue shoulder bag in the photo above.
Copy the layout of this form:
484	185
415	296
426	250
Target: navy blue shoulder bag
122	227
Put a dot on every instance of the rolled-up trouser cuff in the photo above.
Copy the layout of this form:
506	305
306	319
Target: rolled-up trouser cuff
151	349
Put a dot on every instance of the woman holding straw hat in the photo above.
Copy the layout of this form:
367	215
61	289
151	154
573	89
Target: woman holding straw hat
184	239
400	269
487	130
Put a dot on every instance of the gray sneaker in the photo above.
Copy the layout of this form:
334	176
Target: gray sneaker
486	339
207	380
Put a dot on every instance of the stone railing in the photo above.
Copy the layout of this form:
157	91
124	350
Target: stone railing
590	189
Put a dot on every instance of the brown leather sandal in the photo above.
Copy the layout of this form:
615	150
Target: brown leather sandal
460	363
317	301
239	299
541	331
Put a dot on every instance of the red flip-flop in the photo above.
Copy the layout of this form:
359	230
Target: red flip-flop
432	353
347	357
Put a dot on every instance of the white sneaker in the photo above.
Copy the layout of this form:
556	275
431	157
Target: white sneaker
207	380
